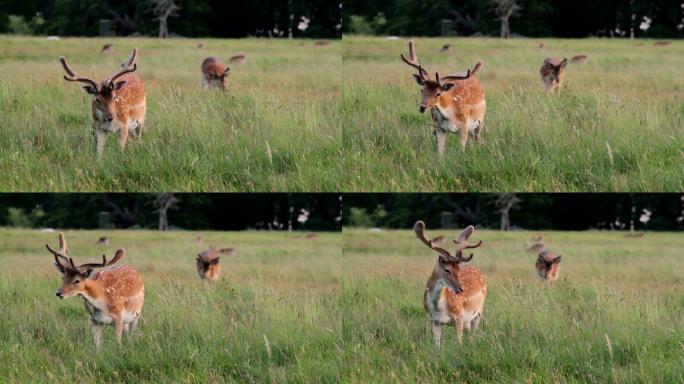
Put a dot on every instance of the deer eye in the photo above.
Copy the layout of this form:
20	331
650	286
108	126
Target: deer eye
447	270
75	282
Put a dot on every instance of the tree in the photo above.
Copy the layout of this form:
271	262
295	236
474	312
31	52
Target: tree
163	203
505	202
505	9
164	9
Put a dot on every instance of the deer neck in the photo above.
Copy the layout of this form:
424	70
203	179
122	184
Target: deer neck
94	293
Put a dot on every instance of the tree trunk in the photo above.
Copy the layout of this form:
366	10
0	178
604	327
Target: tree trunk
163	28
505	29
505	221
163	220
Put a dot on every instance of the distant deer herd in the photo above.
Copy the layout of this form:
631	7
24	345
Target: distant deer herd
457	101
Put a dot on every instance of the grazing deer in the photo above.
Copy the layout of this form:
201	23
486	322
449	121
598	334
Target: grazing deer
107	48
552	73
456	101
321	43
103	240
445	48
112	295
579	59
662	43
454	295
119	102
214	74
199	46
547	265
237	59
208	267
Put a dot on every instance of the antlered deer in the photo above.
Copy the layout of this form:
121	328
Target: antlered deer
208	267
547	265
456	101
454	295
552	73
112	295
579	59
119	102
214	73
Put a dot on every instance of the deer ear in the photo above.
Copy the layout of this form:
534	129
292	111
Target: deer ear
118	85
557	259
564	63
90	89
447	86
225	73
418	79
214	261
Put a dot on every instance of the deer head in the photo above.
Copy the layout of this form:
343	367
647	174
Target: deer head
105	93
546	262
74	276
555	68
433	89
447	266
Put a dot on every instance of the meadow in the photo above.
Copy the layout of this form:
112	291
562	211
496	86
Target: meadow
274	129
615	315
268	318
616	126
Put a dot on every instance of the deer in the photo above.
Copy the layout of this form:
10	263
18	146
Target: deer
445	48
456	101
207	262
214	74
112	296
107	48
103	240
119	102
579	59
454	294
547	265
552	73
237	59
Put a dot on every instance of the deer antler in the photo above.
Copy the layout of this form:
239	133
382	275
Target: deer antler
414	62
73	76
464	75
462	243
126	65
419	229
117	256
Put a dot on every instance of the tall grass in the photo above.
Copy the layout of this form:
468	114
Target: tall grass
617	126
274	129
615	315
268	319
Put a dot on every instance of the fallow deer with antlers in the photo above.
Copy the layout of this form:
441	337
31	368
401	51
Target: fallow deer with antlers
208	267
552	73
548	265
214	74
113	295
454	294
456	101
119	102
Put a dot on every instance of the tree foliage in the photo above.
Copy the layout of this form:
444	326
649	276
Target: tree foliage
562	18
193	18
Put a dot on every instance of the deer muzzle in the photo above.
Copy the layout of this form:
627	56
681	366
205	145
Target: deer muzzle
60	294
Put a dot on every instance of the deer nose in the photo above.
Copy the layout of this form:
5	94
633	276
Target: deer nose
60	294
422	109
109	118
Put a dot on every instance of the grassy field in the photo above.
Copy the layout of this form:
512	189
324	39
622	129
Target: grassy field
268	319
275	129
617	126
615	315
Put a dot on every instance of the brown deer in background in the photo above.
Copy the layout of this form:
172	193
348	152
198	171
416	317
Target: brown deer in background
454	294
112	295
207	262
552	73
548	265
214	74
119	102
456	101
237	59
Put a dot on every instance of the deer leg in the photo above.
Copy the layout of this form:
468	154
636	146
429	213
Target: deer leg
475	323
458	323
99	136
437	334
118	327
97	335
123	134
464	133
441	137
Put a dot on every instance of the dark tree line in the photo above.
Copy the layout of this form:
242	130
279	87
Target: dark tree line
217	18
189	211
562	18
571	211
